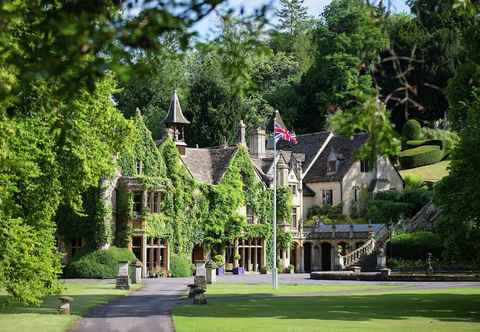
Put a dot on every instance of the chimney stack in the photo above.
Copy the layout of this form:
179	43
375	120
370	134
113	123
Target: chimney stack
257	143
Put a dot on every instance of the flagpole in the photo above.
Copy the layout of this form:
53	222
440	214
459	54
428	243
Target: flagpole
274	246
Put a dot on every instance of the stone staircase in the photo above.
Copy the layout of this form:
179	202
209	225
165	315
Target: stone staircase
365	256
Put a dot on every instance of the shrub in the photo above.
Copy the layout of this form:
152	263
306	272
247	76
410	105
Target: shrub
423	155
413	182
412	130
102	263
449	138
180	266
415	246
422	142
384	212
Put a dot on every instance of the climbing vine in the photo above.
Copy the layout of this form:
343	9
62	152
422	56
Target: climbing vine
198	213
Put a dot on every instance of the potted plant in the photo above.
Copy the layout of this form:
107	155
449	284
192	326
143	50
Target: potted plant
291	269
219	260
238	269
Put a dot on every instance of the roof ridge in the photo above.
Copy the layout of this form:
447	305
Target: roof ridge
315	133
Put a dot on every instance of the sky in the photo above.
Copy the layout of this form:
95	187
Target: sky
315	8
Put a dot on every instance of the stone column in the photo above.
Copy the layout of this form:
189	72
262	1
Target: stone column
320	256
144	255
302	258
249	255
235	252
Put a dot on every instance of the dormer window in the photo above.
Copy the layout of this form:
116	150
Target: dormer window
331	166
293	189
332	162
139	167
364	166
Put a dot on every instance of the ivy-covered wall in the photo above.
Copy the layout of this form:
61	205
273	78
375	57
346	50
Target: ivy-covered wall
191	212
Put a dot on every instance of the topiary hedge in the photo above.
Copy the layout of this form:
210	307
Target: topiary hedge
180	266
421	142
102	263
415	245
412	130
420	156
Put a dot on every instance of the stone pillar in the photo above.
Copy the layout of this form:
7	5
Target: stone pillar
249	255
144	255
302	258
320	256
235	252
243	254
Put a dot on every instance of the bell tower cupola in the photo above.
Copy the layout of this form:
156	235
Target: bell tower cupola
175	123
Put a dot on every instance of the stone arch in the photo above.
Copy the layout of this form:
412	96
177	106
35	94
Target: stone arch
307	256
326	257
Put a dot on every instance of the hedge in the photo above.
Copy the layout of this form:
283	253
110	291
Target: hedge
423	155
101	263
421	142
414	246
385	211
180	266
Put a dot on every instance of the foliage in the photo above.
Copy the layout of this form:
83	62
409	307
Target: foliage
328	214
53	151
420	156
388	207
101	263
449	139
413	182
371	117
348	41
219	260
457	195
415	245
412	130
180	266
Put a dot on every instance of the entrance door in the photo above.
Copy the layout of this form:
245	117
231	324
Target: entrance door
326	256
307	257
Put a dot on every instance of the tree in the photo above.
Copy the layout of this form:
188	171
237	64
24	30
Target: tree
292	16
457	195
348	42
372	118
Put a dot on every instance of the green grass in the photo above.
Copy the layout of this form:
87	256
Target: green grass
430	173
15	317
352	308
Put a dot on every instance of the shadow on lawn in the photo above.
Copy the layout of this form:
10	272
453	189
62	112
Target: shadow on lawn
93	305
443	307
80	305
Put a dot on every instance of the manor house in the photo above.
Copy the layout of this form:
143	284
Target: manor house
321	170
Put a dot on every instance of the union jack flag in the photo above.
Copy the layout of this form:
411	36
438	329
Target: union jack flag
282	133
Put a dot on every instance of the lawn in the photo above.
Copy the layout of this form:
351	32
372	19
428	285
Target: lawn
339	308
17	318
430	173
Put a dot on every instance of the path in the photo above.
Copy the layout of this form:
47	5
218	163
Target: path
145	310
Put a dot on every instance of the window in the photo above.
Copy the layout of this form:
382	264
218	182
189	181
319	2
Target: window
294	217
331	166
249	215
356	193
327	197
76	245
137	203
293	189
156	202
139	167
364	166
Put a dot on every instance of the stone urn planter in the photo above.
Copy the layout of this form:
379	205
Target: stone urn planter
211	272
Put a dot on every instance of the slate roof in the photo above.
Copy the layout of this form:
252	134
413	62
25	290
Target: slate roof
307	191
208	165
345	148
175	114
308	144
